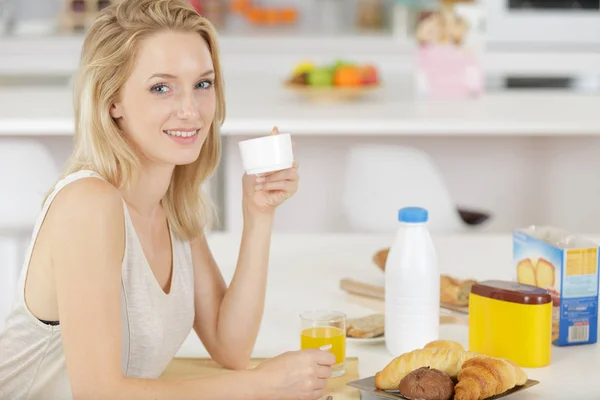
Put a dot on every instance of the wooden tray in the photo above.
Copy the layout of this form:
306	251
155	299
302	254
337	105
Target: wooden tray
202	367
368	385
378	292
331	93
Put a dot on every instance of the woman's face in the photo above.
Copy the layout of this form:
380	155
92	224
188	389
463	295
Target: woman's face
167	106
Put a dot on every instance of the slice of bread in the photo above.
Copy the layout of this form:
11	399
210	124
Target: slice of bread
526	272
454	291
447	280
369	326
544	273
449	293
464	292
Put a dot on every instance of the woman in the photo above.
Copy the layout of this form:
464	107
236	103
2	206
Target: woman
119	270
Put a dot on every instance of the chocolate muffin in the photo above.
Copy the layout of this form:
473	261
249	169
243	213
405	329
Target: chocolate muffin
427	384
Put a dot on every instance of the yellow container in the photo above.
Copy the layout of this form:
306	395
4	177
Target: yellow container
511	320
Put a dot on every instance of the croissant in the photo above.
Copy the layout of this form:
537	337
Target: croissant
483	377
521	375
451	344
444	344
447	360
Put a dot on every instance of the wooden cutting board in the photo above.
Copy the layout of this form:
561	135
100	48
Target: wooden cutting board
203	367
378	292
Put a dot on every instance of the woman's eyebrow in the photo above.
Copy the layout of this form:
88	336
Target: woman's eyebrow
171	76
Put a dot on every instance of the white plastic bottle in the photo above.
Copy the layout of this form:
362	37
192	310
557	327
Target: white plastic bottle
412	285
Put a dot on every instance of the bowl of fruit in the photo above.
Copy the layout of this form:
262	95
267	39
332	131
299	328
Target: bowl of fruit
339	81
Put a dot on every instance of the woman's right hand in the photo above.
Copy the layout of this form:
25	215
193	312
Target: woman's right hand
297	374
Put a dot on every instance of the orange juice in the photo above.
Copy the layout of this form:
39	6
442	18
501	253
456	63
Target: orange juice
316	337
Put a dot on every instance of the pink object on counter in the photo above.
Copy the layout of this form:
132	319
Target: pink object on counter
447	71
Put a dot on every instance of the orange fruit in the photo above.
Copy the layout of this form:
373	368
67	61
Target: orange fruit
347	75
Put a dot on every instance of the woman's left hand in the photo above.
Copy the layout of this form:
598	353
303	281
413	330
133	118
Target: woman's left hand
265	192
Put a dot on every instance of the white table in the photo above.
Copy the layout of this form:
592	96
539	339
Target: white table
305	271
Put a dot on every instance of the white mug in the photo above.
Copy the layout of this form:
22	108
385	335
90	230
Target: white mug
267	154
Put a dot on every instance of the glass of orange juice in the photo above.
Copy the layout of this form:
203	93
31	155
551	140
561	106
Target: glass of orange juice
322	328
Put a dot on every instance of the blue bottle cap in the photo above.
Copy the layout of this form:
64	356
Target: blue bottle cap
414	215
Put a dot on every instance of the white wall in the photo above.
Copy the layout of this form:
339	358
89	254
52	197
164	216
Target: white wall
519	180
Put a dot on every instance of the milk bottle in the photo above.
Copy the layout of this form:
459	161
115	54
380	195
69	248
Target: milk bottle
412	285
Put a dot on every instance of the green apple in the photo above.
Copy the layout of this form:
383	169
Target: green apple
339	63
320	77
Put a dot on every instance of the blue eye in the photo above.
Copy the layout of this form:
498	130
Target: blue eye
159	88
204	85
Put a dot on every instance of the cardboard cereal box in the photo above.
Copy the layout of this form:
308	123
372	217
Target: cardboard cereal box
566	266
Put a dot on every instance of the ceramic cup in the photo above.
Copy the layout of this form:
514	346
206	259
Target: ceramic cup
267	153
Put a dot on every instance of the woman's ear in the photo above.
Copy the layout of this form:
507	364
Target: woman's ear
115	111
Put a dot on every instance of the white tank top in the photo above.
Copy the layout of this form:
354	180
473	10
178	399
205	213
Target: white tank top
154	324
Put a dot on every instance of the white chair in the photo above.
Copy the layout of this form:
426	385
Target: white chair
381	179
28	172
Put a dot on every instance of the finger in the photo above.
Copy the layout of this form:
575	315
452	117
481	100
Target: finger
294	165
275	131
287	186
323	372
325	358
319	384
272	176
290	174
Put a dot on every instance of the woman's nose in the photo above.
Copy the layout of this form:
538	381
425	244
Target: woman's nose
188	107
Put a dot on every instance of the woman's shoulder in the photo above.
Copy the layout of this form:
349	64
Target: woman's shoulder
89	205
88	194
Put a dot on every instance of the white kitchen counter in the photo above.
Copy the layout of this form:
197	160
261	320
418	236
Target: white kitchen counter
257	102
305	271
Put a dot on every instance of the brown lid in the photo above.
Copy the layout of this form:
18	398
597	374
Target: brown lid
513	292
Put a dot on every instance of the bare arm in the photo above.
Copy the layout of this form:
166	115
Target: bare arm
228	319
86	222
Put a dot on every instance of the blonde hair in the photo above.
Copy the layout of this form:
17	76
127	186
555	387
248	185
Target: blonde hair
107	59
